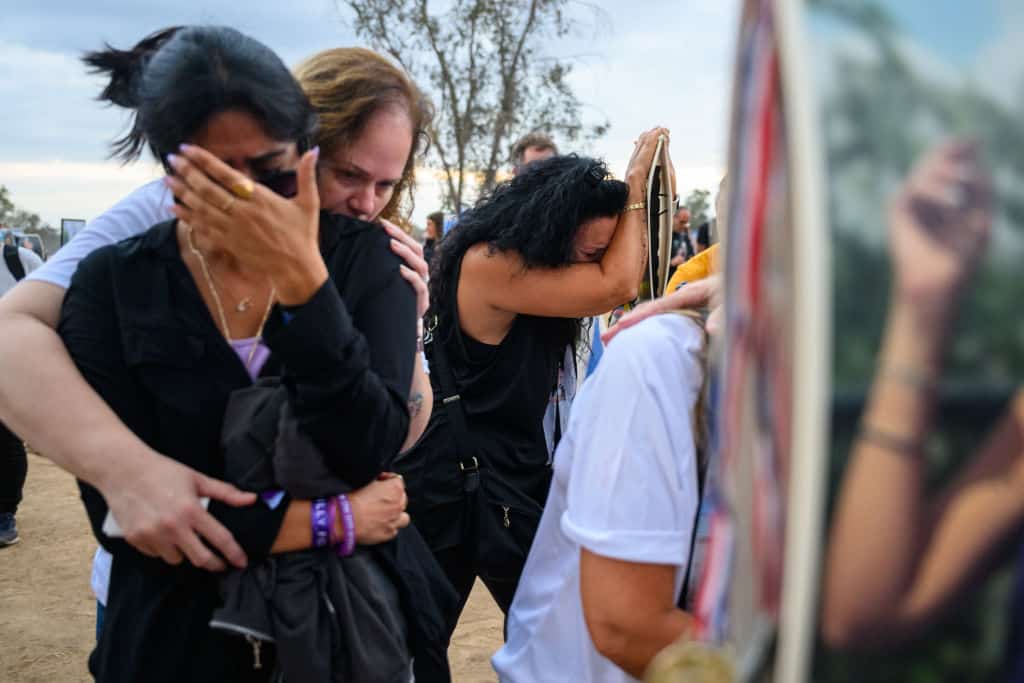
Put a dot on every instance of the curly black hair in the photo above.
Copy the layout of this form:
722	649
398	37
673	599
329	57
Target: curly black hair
537	214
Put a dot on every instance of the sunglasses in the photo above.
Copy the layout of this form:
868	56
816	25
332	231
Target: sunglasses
284	183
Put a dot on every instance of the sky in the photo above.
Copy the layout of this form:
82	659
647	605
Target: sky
637	64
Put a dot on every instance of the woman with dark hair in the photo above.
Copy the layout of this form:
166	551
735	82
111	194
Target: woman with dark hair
432	234
508	287
371	123
251	280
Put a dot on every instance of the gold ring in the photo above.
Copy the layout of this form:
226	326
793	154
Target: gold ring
243	189
227	207
634	207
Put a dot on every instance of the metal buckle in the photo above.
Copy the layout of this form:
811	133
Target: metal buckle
450	399
470	468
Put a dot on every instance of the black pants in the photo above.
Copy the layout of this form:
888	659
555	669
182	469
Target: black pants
13	468
460	568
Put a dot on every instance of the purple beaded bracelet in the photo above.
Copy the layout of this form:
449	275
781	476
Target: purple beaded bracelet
318	518
348	521
332	508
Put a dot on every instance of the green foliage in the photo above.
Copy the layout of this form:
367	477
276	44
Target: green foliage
697	204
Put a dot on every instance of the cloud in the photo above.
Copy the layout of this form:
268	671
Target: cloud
667	63
61	189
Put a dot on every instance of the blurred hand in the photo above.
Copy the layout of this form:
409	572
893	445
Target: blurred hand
697	294
939	223
379	510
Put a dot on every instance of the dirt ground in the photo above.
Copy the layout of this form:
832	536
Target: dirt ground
48	614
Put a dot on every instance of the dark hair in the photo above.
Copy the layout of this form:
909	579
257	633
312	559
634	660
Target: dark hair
438	219
704	234
536	214
177	78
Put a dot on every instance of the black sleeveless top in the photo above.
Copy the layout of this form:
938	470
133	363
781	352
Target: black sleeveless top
504	391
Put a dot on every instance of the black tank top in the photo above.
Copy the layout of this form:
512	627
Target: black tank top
504	390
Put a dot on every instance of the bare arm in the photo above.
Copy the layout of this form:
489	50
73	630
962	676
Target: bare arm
897	559
421	402
501	281
630	609
44	399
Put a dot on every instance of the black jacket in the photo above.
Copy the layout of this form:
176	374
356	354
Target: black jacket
140	334
351	620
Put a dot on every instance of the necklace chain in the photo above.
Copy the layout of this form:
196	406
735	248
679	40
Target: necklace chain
220	307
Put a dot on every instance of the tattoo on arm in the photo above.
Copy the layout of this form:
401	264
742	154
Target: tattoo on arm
415	404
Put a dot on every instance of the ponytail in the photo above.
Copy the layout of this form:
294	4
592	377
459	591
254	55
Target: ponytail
125	68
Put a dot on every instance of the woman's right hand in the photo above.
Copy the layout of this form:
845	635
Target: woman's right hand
640	163
379	510
940	223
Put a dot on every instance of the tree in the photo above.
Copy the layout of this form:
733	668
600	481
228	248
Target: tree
6	205
697	204
482	63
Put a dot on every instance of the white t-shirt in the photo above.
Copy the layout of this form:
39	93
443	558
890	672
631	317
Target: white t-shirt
624	487
30	263
138	212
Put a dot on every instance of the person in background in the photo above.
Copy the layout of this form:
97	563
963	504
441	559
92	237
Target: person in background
535	146
17	263
682	247
703	240
432	234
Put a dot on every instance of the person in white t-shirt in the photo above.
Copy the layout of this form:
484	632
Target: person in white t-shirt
597	599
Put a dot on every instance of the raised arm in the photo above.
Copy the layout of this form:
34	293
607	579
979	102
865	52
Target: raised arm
898	558
576	290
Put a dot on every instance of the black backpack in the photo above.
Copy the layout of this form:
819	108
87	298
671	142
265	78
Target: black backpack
14	265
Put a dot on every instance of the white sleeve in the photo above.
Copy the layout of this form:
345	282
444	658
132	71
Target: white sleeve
632	492
29	259
143	208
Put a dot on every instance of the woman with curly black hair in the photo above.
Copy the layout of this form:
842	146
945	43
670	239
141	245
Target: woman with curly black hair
509	286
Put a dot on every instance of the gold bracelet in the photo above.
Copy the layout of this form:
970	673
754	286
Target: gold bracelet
633	207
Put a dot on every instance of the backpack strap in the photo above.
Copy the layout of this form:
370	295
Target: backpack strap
13	259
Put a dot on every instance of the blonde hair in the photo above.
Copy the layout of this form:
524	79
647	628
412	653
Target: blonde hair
348	85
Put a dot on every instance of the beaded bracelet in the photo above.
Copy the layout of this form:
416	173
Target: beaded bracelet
332	509
319	521
348	520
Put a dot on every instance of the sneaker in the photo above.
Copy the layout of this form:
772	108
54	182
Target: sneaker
8	529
